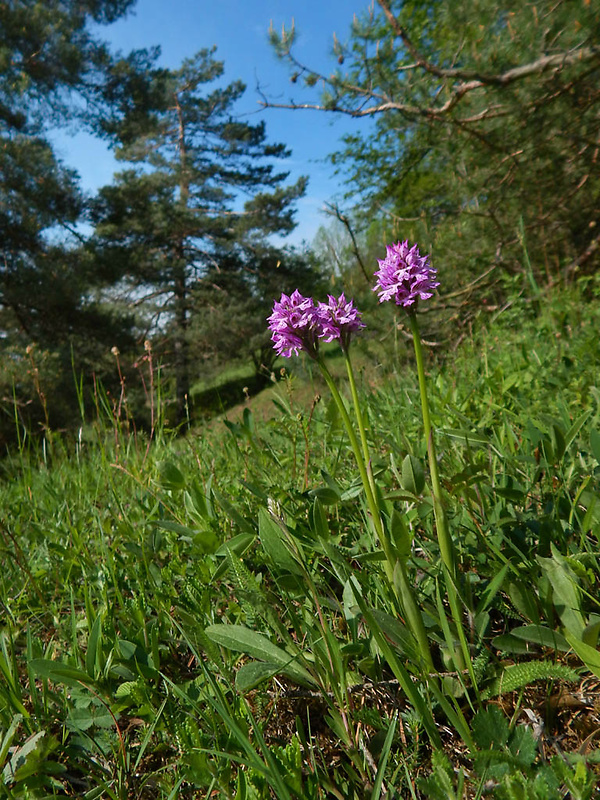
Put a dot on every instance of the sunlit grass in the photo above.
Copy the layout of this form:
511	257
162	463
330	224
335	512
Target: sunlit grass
208	616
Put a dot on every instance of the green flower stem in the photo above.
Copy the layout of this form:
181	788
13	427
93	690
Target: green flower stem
394	568
360	420
444	539
371	502
441	523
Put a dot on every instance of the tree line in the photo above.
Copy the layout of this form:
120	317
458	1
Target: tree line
484	134
177	250
484	146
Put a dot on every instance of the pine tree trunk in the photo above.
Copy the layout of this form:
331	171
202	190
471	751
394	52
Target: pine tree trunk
181	346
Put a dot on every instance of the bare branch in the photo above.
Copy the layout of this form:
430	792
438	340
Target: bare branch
571	268
374	102
334	209
474	79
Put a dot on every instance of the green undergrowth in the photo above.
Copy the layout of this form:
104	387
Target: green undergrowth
207	616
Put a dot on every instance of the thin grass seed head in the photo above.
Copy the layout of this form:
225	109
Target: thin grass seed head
405	276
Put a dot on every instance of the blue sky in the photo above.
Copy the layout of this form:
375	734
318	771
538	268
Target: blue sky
239	30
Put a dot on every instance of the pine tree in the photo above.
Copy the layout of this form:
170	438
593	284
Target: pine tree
50	66
187	222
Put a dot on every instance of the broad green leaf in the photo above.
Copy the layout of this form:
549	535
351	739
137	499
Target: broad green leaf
17	768
507	643
524	600
542	636
318	520
128	649
351	609
591	633
511	492
352	491
257	491
400	535
175	527
94	647
9	736
326	495
559	442
589	655
413	476
595	444
249	676
58	672
243	640
233	513
576	427
492	589
171	477
401	495
248	421
331	482
467	437
197	503
237	544
566	594
396	632
590	502
273	539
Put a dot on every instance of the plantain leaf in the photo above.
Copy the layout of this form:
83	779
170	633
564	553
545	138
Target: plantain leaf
249	676
595	444
541	635
413	477
566	593
273	539
171	477
94	647
58	672
401	535
243	640
589	655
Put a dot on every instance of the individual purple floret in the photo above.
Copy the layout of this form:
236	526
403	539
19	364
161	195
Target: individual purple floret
340	319
295	325
405	276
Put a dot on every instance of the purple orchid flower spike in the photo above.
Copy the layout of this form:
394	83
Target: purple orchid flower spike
405	276
295	325
340	319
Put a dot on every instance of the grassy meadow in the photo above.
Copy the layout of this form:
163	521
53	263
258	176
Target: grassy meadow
212	615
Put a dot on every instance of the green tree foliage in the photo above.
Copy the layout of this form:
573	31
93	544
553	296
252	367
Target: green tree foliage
50	67
186	224
47	52
235	300
485	127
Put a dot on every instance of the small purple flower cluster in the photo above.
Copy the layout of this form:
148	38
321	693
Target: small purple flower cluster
297	323
339	319
405	276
